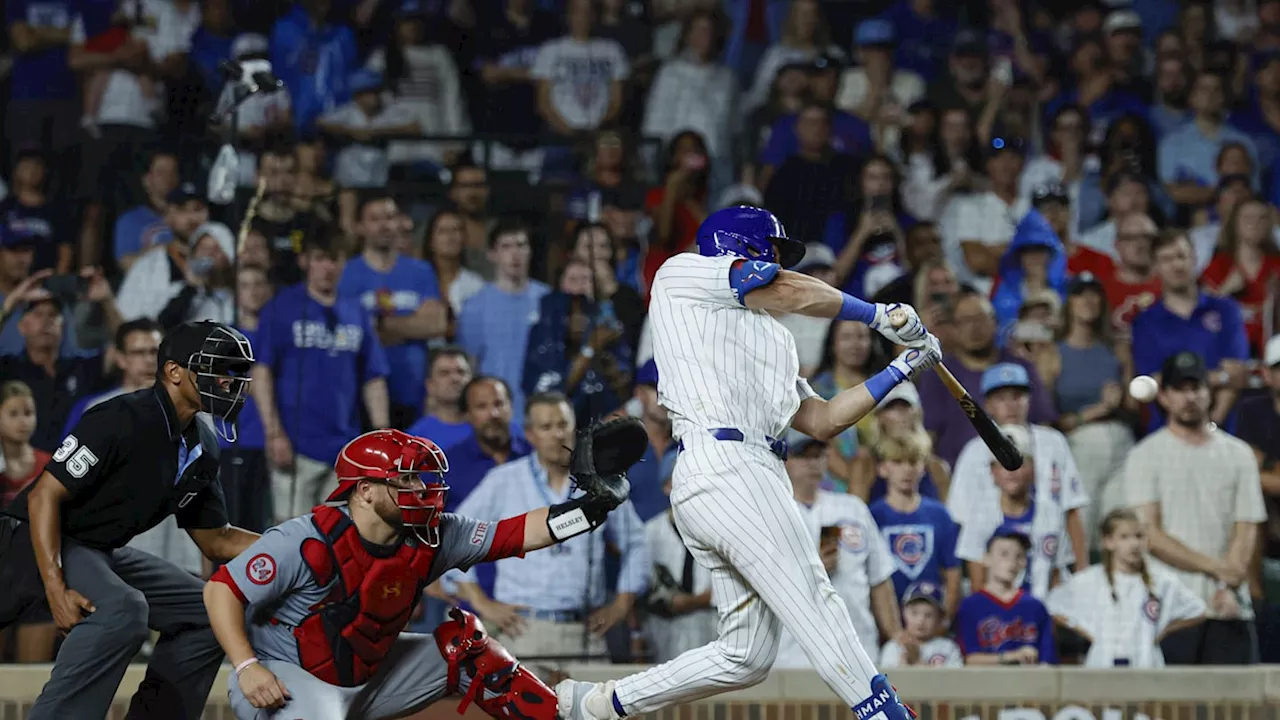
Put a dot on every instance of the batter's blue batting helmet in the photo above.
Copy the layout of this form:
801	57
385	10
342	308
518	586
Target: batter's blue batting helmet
748	232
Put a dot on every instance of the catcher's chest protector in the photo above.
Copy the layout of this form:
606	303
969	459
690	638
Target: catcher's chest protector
345	637
517	694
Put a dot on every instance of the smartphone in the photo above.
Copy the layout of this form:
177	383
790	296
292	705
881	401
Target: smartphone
829	534
66	287
1002	71
879	203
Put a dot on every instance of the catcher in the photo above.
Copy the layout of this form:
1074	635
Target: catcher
328	593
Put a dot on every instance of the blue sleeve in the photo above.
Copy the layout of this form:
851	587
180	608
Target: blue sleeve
430	285
966	630
1145	360
469	334
747	275
264	351
374	355
781	142
350	284
1235	345
1167	161
947	532
128	235
1048	649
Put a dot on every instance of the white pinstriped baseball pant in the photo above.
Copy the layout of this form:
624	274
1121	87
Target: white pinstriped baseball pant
734	508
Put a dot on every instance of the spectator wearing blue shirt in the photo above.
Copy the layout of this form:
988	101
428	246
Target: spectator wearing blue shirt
1188	156
919	530
211	44
492	441
924	33
243	464
137	344
650	476
1187	319
553	604
1002	624
495	322
1168	110
448	372
143	227
403	297
1110	100
28	212
317	356
314	58
1252	117
42	97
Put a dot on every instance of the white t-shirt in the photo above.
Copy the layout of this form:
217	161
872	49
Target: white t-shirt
1050	546
581	75
720	364
980	217
431	91
364	166
672	636
938	652
1126	626
973	489
865	562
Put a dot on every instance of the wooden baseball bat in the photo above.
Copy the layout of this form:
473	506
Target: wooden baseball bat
1001	447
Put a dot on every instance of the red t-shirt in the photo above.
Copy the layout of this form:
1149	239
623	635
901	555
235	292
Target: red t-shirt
1088	260
1126	300
686	233
1252	299
11	486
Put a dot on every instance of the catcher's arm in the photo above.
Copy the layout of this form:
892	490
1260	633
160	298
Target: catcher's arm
602	454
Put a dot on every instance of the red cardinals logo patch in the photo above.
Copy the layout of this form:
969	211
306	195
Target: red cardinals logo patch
261	569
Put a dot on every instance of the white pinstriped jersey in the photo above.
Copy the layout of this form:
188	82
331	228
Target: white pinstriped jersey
720	364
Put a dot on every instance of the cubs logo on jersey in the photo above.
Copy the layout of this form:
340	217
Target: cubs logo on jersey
852	537
1151	608
912	547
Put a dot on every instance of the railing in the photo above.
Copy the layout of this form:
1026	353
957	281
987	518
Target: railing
1250	693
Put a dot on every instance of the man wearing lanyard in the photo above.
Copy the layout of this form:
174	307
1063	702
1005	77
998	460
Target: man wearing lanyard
486	405
551	606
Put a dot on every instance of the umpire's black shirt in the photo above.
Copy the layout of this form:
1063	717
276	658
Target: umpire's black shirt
121	469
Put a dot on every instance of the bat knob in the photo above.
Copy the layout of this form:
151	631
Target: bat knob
897	318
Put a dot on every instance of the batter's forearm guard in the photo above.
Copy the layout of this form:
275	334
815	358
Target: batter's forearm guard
513	693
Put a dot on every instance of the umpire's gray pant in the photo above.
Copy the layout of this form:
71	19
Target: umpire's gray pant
133	592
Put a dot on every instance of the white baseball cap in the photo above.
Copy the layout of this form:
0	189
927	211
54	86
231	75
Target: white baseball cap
1271	353
1020	436
902	392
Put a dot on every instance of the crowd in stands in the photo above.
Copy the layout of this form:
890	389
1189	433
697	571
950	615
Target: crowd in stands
457	209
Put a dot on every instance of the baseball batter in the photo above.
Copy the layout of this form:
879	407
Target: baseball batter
729	376
326	595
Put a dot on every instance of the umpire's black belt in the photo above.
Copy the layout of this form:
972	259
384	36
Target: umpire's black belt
776	446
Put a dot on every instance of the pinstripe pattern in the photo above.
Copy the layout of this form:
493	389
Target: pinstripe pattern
721	365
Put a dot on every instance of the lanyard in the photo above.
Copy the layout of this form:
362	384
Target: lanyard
540	479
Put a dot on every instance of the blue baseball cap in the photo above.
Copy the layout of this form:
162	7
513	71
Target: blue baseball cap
648	374
875	31
11	239
184	192
1005	375
362	81
923	591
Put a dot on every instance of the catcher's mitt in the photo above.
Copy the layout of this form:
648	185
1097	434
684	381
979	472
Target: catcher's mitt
601	457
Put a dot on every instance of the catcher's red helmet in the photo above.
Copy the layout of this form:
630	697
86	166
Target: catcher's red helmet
384	455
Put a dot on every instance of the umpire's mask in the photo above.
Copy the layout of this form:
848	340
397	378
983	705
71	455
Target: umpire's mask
220	357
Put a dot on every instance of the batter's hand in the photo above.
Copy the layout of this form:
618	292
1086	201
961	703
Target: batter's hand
900	324
262	688
68	608
913	361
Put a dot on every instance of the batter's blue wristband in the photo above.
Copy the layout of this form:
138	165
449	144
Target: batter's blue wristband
856	309
884	381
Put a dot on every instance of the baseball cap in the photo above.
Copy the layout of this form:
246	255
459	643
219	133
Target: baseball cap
53	300
969	42
826	61
1271	353
648	374
1030	331
816	255
873	32
412	9
740	194
798	442
902	392
1020	436
1049	192
13	240
248	44
1047	297
1084	281
1005	375
184	192
1184	367
923	591
363	81
1122	21
1011	532
1011	144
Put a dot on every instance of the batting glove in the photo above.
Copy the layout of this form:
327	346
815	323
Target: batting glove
916	360
911	333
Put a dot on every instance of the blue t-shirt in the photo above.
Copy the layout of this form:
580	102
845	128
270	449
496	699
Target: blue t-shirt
494	329
314	63
441	433
468	464
401	291
43	74
923	542
139	229
922	43
46	225
320	358
207	52
986	624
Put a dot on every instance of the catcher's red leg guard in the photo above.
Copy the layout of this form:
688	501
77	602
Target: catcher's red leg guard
517	694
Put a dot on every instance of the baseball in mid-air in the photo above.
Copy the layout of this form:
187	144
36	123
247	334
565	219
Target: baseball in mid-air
1143	388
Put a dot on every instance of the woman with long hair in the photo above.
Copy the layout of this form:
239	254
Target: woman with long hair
1122	606
20	465
1063	160
873	245
694	90
805	36
444	247
952	165
679	206
1246	265
849	357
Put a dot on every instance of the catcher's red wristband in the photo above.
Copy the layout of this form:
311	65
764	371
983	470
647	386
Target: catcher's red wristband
508	539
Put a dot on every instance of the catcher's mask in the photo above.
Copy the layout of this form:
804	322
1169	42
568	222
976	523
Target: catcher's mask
220	357
411	467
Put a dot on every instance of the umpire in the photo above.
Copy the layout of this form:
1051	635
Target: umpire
131	462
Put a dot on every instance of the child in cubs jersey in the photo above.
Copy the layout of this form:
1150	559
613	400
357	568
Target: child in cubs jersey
1001	624
919	530
1031	513
922	614
1123	607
